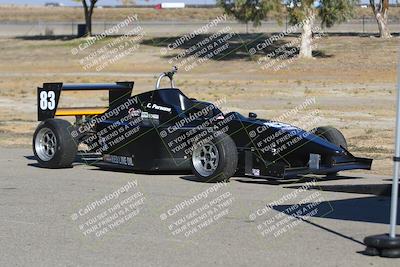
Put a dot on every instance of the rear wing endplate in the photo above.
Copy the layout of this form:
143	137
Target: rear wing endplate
48	97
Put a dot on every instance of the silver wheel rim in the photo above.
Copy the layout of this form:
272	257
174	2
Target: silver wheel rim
205	159
45	144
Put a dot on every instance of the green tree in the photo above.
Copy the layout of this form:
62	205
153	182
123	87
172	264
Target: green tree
247	11
305	13
381	10
301	12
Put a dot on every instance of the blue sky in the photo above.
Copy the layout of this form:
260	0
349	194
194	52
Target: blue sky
101	2
114	2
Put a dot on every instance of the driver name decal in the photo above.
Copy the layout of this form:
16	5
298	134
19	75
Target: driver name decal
157	107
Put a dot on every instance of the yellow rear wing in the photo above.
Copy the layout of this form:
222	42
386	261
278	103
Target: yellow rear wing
48	97
90	111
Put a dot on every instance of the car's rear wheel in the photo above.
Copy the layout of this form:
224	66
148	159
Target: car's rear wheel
53	144
215	160
332	135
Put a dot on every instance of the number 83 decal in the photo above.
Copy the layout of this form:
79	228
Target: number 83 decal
47	100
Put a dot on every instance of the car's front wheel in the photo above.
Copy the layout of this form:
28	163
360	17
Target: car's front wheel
332	135
53	145
215	160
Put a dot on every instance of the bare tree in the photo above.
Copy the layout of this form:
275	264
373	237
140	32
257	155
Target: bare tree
88	15
88	8
380	10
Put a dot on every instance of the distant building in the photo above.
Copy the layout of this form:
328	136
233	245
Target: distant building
170	5
54	4
186	2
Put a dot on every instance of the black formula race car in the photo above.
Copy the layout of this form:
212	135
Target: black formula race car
163	129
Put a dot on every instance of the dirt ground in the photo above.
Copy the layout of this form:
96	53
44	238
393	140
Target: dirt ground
352	78
34	13
67	14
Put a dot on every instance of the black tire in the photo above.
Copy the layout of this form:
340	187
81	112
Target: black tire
334	136
59	155
331	134
227	159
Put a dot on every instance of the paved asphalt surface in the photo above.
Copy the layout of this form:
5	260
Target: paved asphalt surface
45	219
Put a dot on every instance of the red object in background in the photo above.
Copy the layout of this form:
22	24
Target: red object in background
158	6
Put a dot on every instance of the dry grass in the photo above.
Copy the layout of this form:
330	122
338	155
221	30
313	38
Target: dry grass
35	13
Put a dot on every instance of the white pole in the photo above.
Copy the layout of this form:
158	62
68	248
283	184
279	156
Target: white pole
396	163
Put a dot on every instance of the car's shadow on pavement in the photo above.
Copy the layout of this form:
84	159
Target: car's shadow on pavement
37	165
111	169
371	209
264	181
193	178
293	180
383	190
97	165
79	161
